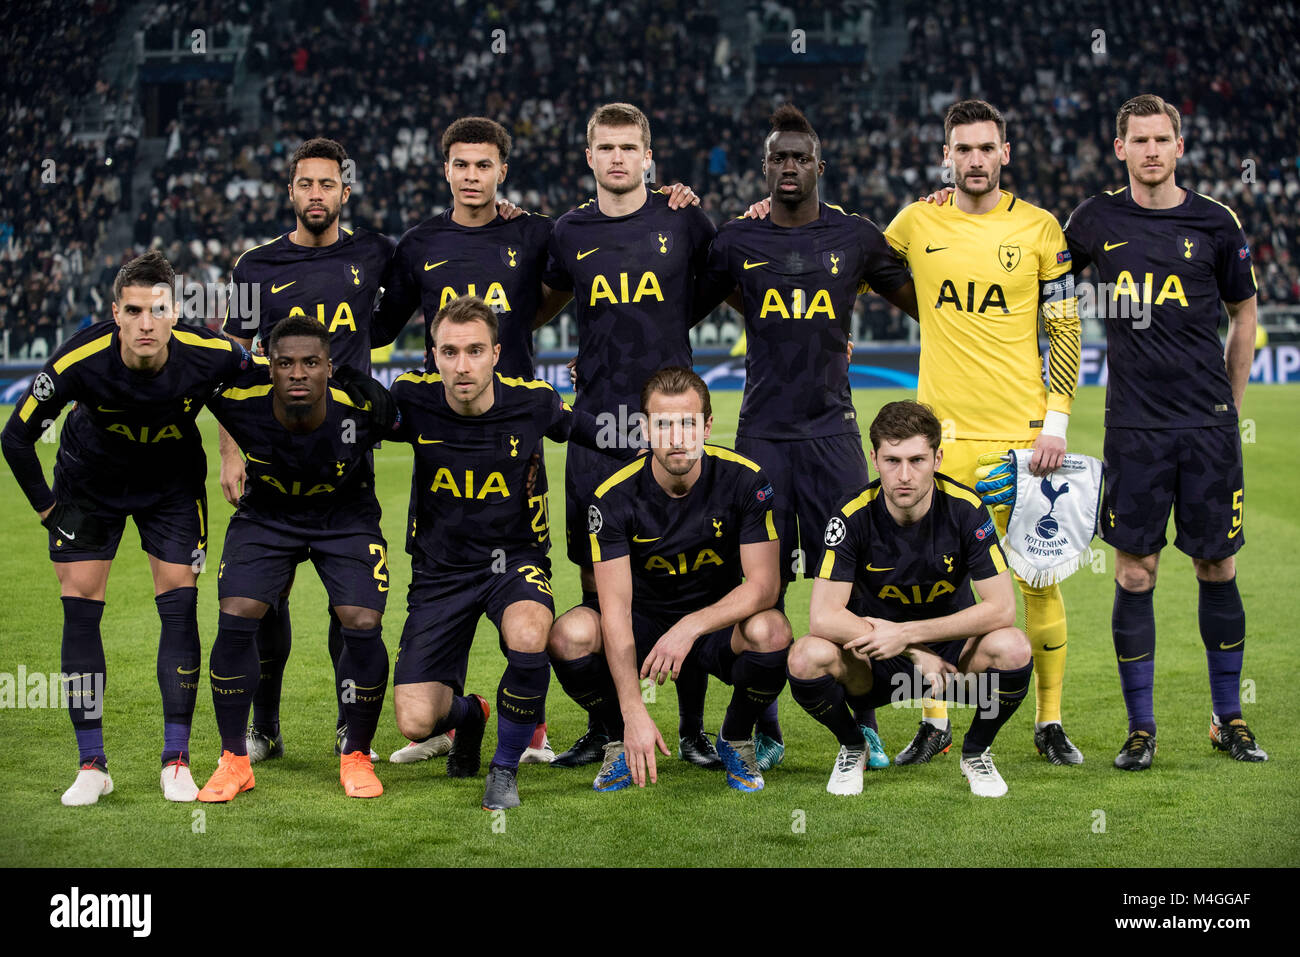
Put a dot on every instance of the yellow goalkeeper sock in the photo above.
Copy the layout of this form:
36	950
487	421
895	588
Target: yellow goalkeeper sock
937	710
1045	627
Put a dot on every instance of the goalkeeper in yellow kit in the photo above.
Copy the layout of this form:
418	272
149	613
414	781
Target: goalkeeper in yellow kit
987	266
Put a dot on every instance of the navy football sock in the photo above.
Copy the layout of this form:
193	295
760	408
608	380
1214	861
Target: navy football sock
823	698
1223	631
588	682
692	685
456	714
179	659
364	666
82	663
1011	685
757	678
232	672
769	723
336	646
274	642
521	701
1133	625
862	714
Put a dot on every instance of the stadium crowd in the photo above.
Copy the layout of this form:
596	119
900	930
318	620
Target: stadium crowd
385	83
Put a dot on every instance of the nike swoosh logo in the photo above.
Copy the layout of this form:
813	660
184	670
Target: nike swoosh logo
1060	646
213	674
275	288
1233	533
102	409
871	568
72	538
637	538
428	266
1109	246
254	458
1138	658
182	671
582	255
749	265
1223	647
934	249
520	697
423	441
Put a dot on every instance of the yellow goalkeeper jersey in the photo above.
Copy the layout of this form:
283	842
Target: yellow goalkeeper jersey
980	283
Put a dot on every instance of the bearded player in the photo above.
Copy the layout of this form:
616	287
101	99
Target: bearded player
332	275
988	267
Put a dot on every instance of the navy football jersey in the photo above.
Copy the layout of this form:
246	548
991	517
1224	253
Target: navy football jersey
798	286
1165	371
323	478
684	552
633	280
501	262
336	285
912	572
469	496
128	428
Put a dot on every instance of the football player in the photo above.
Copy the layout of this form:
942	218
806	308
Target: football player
988	267
309	495
330	274
799	271
631	262
475	547
128	448
1171	260
893	596
686	559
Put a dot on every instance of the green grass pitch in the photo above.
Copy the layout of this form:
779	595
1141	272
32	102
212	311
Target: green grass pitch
1195	808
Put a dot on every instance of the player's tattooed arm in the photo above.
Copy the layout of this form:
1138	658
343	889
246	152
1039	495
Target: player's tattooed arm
1243	317
640	734
758	592
553	300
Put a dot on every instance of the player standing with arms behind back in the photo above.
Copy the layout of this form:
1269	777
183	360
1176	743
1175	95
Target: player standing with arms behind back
987	267
1172	402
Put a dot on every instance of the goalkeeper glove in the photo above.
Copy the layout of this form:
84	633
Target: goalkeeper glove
996	479
76	525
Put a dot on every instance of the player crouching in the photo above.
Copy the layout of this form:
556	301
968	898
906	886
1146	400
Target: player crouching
310	494
672	536
911	545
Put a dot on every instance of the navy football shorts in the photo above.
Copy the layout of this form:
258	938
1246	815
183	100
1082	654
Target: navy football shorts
896	679
1196	471
711	652
173	522
584	470
258	561
443	608
812	478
